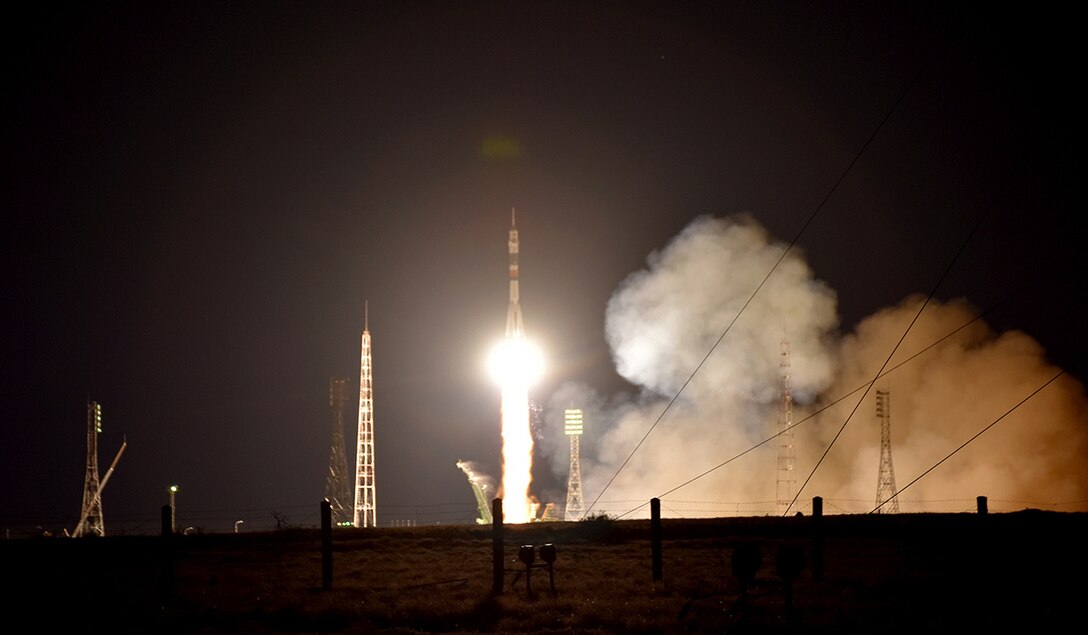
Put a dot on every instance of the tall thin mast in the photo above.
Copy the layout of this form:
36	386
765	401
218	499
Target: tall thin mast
786	483
90	518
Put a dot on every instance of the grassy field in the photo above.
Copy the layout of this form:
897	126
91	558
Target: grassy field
859	574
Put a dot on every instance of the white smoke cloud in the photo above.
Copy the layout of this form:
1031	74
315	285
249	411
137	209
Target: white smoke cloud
662	322
1032	456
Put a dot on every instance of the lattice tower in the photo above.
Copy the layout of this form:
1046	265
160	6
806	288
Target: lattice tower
787	477
338	480
365	491
885	484
573	427
90	519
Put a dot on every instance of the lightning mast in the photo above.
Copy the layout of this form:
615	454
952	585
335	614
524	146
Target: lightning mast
337	482
365	491
885	483
573	427
90	519
786	484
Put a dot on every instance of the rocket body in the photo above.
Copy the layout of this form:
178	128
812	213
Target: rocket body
514	326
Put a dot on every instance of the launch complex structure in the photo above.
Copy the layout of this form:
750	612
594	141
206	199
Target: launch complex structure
359	509
366	508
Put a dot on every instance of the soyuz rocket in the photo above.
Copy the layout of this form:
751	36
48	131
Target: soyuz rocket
514	328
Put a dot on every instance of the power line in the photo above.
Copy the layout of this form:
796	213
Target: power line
782	257
976	435
993	307
887	360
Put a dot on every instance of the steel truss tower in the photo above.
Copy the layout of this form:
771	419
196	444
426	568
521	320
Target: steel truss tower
573	427
787	477
90	519
338	480
365	491
885	484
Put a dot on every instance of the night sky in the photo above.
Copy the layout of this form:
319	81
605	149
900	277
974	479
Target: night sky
200	198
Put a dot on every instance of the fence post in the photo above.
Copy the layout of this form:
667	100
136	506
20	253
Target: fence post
817	538
166	556
497	565
326	545
655	537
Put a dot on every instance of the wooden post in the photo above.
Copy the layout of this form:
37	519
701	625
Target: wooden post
817	539
166	581
655	537
326	545
497	565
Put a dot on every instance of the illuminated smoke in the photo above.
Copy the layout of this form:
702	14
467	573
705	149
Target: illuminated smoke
1034	456
662	321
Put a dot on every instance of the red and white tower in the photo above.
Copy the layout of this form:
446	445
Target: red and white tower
365	490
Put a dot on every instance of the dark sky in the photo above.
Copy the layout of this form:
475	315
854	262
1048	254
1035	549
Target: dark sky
199	199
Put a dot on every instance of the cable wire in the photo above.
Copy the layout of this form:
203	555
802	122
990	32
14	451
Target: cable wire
968	441
789	247
887	360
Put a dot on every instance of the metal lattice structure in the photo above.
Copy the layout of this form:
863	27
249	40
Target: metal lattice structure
786	485
90	519
886	494
338	479
481	490
573	427
365	490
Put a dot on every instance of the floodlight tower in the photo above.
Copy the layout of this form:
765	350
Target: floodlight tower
365	491
337	482
787	477
90	519
885	484
573	428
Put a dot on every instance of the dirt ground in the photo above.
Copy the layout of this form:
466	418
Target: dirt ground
841	574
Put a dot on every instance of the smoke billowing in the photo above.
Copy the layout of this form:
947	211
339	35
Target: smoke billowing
665	321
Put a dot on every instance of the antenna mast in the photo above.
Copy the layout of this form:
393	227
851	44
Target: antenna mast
787	478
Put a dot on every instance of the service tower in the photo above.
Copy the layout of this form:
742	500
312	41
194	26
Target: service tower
365	490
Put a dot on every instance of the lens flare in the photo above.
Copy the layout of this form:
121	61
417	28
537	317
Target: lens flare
515	364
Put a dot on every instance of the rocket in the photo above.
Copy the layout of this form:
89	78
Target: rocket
514	327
